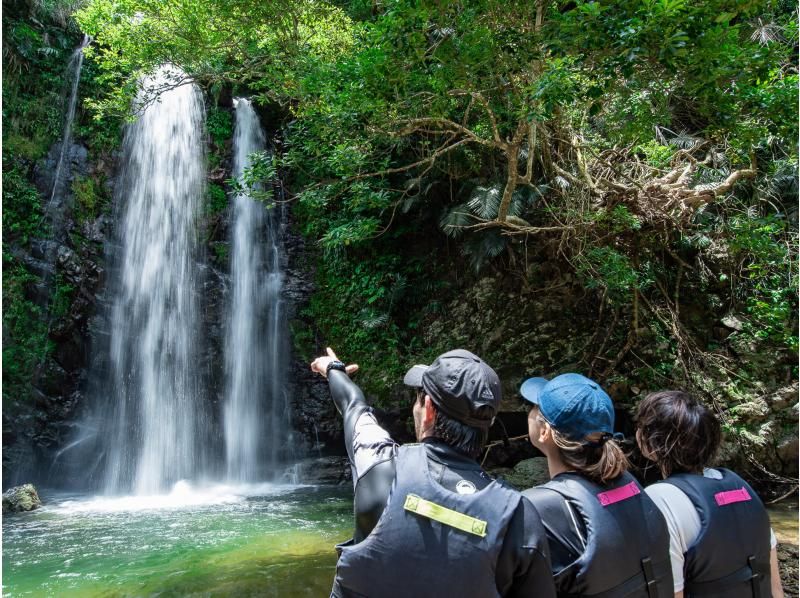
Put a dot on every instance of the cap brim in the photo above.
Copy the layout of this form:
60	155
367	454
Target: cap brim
531	389
413	376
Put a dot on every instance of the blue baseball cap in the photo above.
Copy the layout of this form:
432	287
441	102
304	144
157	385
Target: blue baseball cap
573	404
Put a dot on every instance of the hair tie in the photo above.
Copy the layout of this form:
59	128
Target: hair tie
605	437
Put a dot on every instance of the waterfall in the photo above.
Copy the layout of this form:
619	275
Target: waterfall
256	417
155	427
73	76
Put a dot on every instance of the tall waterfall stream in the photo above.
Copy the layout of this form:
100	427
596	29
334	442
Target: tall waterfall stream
256	409
157	421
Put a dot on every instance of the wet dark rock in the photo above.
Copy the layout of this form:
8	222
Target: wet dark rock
69	265
21	498
788	566
218	175
53	379
76	163
96	230
324	471
44	249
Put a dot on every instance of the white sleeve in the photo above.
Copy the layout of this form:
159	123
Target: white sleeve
683	524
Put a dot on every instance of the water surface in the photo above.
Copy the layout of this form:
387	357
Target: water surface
267	540
784	519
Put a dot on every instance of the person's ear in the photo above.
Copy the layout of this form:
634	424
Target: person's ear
545	433
429	414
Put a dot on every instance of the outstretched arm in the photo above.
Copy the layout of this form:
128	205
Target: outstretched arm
370	448
346	395
775	574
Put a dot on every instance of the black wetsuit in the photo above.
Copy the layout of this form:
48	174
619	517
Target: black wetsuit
522	567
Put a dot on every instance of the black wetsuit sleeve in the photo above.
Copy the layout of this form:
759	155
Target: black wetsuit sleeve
373	476
350	402
523	565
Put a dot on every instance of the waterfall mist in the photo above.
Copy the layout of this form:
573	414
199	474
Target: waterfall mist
157	414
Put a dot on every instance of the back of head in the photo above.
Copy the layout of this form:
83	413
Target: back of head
581	417
599	458
677	431
466	393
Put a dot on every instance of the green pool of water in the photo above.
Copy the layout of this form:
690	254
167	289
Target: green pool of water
257	541
784	519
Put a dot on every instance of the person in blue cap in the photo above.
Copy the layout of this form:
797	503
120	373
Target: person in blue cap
429	520
607	538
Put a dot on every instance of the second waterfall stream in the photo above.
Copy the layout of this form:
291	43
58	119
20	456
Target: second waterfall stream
256	417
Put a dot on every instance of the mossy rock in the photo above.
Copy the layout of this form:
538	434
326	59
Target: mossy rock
528	473
21	498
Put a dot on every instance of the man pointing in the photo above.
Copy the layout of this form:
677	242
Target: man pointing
429	520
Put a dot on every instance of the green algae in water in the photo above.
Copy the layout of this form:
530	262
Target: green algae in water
279	543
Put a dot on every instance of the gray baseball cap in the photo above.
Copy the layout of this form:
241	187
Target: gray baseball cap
459	382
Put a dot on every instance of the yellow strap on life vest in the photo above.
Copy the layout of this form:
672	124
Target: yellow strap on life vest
431	510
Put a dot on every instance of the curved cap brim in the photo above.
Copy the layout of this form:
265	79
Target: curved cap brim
413	376
532	388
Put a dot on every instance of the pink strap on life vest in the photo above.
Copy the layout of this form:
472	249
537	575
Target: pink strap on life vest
609	497
731	496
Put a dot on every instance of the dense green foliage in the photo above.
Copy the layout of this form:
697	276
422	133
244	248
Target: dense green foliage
543	120
39	38
646	149
34	58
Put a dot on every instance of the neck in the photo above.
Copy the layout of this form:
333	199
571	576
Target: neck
556	465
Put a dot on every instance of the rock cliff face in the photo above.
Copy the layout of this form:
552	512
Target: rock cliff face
69	267
74	258
523	333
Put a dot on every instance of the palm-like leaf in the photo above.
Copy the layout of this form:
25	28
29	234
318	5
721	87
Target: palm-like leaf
485	201
483	246
454	220
371	320
766	33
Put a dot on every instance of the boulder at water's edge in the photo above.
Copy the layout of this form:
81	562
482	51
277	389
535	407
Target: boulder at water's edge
21	498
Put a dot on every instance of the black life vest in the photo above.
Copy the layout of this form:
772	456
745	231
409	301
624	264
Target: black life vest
731	555
411	552
626	543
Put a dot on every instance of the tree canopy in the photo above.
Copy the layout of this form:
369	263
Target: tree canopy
649	147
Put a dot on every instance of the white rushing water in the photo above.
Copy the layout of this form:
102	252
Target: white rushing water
157	427
256	420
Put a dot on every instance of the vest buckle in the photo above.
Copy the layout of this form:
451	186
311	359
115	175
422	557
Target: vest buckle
649	577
